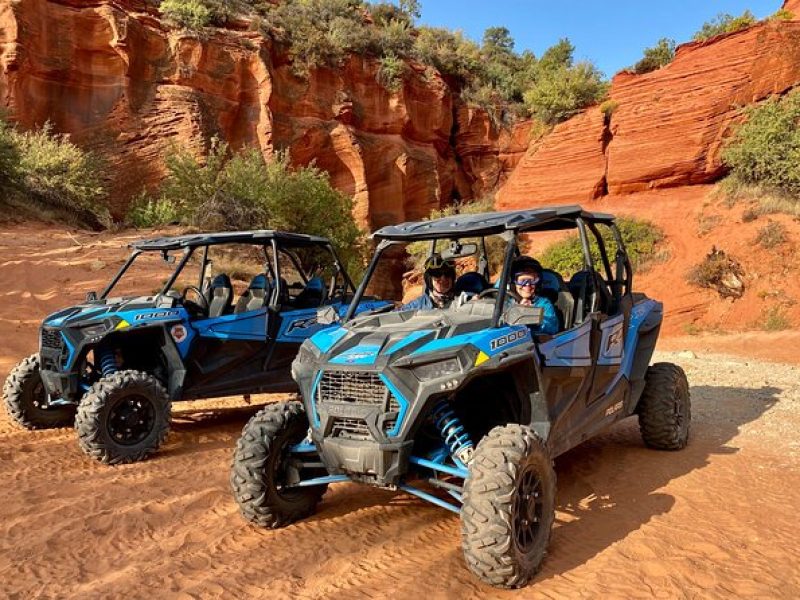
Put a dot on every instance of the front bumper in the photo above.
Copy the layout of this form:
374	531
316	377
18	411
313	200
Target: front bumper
60	385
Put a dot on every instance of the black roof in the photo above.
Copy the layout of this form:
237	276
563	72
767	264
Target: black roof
543	219
228	237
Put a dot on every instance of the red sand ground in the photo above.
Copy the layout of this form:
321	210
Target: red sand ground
715	520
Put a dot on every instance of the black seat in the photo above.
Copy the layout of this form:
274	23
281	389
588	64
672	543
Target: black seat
471	282
584	287
554	289
220	293
255	296
312	295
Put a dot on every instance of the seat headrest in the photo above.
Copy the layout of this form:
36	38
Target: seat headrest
550	281
221	280
315	283
471	282
259	282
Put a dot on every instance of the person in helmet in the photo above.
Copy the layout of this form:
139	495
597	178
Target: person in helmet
526	274
440	275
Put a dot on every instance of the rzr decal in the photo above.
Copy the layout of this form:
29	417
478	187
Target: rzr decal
509	338
614	408
301	324
162	314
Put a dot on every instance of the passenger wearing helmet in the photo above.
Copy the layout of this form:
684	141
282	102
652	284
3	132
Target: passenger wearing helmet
440	275
526	273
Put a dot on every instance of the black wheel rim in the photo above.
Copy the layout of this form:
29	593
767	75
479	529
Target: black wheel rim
131	420
528	510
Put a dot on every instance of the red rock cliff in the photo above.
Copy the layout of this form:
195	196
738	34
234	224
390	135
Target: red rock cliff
664	128
115	78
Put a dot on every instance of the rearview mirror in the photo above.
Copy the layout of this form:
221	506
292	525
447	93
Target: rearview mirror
457	250
327	316
523	315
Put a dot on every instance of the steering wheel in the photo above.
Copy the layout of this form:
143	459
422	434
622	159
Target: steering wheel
203	304
492	291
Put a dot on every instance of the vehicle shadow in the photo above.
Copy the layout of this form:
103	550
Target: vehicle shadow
607	486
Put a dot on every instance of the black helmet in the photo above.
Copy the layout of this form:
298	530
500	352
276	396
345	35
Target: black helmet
435	265
524	264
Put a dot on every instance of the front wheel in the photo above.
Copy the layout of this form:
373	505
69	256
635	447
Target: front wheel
263	468
123	418
27	402
509	506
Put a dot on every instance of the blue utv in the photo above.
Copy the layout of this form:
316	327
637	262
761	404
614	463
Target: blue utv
466	407
115	364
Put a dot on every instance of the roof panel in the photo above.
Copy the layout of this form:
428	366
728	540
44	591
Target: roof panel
553	217
226	237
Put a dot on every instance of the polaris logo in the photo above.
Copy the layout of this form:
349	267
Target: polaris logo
509	338
161	314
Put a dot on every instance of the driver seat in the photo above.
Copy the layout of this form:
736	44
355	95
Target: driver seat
220	293
471	282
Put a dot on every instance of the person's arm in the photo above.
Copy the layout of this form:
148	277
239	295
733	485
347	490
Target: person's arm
549	324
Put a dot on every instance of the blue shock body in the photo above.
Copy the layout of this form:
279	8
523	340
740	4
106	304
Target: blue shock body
107	361
453	432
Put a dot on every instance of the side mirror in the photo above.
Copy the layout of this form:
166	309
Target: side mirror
327	316
523	315
91	296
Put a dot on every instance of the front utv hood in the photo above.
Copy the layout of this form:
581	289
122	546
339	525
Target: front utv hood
82	314
408	338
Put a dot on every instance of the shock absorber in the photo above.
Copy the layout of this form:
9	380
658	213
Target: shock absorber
107	360
453	432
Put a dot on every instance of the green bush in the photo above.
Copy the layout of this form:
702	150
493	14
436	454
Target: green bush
152	212
765	149
560	93
656	57
641	239
241	191
9	159
782	14
191	14
725	23
391	72
452	54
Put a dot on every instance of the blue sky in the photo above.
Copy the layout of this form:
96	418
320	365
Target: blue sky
612	34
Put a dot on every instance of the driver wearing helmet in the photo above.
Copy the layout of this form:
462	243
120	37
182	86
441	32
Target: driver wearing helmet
526	274
440	275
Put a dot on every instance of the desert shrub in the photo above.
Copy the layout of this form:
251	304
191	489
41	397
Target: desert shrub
390	74
9	159
241	191
765	149
774	318
608	107
725	23
782	14
771	235
495	247
719	272
152	212
656	56
191	14
449	52
641	239
55	173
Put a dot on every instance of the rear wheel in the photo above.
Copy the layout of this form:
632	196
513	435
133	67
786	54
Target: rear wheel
27	402
509	506
123	417
665	410
263	467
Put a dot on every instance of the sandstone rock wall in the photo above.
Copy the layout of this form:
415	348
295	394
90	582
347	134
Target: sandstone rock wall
663	128
110	73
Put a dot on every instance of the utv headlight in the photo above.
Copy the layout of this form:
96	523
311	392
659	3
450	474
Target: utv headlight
438	369
91	331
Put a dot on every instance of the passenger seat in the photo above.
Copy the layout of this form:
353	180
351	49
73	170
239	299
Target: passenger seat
220	293
554	289
255	296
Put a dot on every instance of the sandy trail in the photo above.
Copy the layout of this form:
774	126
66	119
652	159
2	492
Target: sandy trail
716	520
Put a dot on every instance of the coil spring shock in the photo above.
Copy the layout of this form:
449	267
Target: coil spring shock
107	360
453	432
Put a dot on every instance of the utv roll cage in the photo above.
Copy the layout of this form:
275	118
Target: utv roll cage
507	225
280	242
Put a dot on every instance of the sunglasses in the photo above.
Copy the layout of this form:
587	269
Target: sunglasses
527	282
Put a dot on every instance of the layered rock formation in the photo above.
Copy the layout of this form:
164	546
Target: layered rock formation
663	128
121	83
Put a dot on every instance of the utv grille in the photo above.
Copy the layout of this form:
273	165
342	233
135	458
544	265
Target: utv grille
352	429
352	386
51	338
